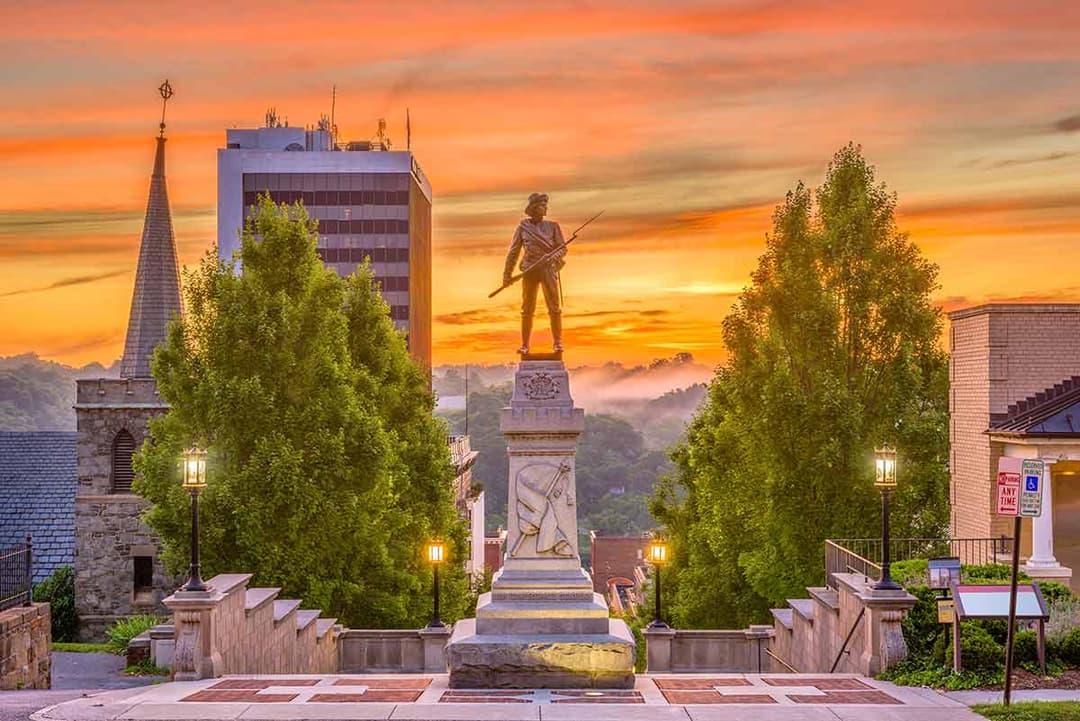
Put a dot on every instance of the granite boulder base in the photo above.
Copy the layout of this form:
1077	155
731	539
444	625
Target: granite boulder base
542	626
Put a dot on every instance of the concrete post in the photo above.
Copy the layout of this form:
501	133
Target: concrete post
435	640
195	656
883	645
658	649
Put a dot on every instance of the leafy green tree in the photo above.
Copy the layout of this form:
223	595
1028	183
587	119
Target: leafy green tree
833	351
327	472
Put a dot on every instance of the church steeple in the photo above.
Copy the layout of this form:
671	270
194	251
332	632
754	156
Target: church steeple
157	280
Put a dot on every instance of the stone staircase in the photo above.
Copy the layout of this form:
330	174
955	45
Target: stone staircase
853	627
252	631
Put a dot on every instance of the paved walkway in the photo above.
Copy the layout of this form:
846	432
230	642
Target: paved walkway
721	697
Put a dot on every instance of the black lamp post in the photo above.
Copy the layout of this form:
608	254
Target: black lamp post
436	553
885	481
658	556
195	482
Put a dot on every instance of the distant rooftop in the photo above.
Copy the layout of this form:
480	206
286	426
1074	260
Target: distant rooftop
322	137
37	486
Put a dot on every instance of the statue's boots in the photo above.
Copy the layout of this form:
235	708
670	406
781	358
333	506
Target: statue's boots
556	331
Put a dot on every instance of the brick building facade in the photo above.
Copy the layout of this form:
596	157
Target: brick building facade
1011	373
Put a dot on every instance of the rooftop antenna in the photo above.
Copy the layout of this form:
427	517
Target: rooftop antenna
333	107
408	131
466	397
166	92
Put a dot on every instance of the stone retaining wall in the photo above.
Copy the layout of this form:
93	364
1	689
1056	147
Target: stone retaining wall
709	651
25	645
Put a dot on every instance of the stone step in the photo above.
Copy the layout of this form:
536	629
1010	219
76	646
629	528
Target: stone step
255	598
305	618
323	625
784	616
225	582
282	609
803	606
827	597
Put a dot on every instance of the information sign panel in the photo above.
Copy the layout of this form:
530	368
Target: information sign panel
1008	486
1031	488
993	602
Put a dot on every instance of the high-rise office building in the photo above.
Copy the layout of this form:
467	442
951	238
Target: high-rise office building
369	201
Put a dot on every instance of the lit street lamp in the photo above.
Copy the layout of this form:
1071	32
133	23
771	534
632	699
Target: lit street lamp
194	483
436	554
885	481
658	556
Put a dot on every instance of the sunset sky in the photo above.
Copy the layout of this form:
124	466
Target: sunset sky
687	122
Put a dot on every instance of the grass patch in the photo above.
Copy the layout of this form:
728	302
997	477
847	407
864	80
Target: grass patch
1031	711
82	647
146	668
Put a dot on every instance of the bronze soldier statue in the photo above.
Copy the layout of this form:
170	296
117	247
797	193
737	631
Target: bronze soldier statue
538	238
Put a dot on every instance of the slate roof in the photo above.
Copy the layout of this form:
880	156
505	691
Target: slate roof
37	496
1052	412
157	279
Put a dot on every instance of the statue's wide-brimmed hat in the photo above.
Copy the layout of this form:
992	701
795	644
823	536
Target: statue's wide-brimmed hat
535	199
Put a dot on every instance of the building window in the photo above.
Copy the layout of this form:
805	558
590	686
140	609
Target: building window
143	583
123	449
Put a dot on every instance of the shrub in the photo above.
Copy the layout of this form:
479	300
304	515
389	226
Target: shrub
989	573
58	590
121	632
979	652
1025	647
1053	592
1069	648
912	572
921	628
1064	617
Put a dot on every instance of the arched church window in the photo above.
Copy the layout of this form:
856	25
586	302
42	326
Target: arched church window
122	473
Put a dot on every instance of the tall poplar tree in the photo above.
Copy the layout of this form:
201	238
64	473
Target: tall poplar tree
327	471
834	349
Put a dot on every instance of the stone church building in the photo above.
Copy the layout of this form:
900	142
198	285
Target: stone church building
117	568
1015	391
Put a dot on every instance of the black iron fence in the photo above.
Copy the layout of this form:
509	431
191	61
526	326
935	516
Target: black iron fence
15	575
862	556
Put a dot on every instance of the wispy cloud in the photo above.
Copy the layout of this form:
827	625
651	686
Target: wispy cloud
67	282
1068	125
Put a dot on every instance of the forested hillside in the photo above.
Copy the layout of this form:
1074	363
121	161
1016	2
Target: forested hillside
38	395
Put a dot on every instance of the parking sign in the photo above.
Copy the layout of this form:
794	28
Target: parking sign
1031	492
1008	486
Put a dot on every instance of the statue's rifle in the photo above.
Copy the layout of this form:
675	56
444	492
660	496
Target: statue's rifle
547	258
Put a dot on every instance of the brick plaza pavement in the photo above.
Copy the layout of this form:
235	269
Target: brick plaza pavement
711	697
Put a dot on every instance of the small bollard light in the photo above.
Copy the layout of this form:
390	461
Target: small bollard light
436	554
658	556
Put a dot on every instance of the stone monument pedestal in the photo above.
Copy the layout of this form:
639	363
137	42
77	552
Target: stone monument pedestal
542	626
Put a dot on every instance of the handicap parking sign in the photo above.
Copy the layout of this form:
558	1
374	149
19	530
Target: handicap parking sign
1032	471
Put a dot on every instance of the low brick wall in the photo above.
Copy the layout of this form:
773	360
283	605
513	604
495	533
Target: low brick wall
709	651
25	645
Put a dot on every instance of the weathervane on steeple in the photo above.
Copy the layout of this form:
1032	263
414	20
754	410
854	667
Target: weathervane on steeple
166	92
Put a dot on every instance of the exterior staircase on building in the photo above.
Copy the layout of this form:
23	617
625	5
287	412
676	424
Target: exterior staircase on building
256	632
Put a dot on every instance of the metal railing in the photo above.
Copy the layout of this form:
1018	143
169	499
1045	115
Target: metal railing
15	575
862	556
